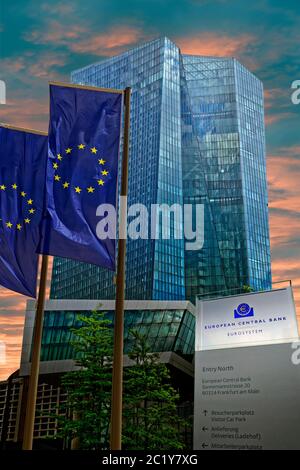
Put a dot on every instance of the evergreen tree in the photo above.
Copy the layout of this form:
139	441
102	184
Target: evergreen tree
150	419
246	289
86	414
150	414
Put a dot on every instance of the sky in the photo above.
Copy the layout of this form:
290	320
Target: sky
46	40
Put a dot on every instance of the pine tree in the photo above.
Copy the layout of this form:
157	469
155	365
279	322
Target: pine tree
86	414
150	414
150	419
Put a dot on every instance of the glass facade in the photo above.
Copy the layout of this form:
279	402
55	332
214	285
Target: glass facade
197	136
165	330
226	103
154	268
204	272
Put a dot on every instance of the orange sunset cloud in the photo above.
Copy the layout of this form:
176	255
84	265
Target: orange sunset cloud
30	113
284	195
110	43
289	269
273	118
284	173
79	39
34	65
11	333
213	44
12	316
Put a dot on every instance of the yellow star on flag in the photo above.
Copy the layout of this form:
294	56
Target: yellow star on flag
94	150
66	185
27	221
9	224
55	166
30	201
31	211
59	157
81	146
14	186
100	182
3	187
90	189
23	194
78	189
104	172
68	150
101	161
19	226
57	178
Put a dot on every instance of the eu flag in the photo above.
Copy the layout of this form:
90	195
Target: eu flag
23	158
84	138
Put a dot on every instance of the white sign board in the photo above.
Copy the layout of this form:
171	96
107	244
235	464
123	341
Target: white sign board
247	373
248	398
244	320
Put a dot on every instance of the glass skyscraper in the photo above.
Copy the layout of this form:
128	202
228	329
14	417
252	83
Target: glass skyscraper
197	136
227	114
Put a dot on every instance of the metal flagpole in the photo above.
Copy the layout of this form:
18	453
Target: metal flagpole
117	378
35	363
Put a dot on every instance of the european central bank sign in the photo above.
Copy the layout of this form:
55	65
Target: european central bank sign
245	320
247	385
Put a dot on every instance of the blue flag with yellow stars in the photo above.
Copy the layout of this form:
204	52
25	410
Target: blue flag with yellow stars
84	139
23	158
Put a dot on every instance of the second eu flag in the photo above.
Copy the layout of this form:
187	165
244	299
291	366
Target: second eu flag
84	139
23	157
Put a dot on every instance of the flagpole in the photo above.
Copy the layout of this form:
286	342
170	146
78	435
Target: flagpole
35	362
117	378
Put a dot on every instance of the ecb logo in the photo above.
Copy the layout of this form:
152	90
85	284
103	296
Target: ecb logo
243	310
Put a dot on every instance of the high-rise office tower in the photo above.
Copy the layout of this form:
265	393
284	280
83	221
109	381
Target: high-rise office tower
197	136
226	105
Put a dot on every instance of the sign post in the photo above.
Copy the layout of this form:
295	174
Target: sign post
247	373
